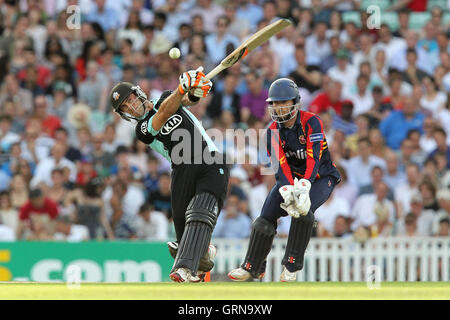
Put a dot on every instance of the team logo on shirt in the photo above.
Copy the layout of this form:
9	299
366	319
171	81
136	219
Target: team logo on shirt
144	127
302	139
173	122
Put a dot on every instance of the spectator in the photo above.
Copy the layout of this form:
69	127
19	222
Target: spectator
394	176
258	194
210	12
410	226
329	99
161	198
396	126
65	230
345	122
254	101
427	142
306	76
341	227
404	192
106	16
226	101
372	207
412	74
12	91
232	223
440	137
362	99
317	45
45	167
7	136
444	230
36	217
220	43
151	224
88	209
425	218
359	167
326	214
93	90
377	177
418	155
344	72
9	216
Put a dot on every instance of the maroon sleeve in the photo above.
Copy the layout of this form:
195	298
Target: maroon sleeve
24	212
52	208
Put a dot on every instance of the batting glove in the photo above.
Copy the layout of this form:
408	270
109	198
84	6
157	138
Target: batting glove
203	88
301	196
190	79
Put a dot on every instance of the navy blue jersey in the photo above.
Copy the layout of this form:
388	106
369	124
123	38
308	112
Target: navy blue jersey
300	151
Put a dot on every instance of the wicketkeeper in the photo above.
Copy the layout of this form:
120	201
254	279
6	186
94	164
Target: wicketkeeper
305	179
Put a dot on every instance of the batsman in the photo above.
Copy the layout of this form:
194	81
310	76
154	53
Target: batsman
305	179
199	171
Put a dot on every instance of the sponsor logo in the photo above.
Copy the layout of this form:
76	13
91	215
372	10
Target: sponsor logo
144	127
316	137
302	139
173	122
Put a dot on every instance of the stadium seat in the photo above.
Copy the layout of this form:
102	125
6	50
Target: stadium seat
418	19
391	19
383	4
446	18
352	16
437	3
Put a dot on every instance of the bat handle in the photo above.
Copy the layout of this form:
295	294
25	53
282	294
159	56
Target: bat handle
192	97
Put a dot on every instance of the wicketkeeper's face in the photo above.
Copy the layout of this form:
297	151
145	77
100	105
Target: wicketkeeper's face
282	111
135	107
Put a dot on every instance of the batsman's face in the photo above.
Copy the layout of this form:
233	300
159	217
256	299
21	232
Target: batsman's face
135	107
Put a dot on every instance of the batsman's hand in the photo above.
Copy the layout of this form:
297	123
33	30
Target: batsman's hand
202	89
190	79
301	196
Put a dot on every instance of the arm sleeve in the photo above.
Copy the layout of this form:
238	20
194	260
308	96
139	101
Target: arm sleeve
314	146
278	159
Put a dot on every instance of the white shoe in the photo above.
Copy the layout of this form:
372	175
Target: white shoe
181	275
239	274
287	276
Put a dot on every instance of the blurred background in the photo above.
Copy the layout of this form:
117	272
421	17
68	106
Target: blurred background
377	73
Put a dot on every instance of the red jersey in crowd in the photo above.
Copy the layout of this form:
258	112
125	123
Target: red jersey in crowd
322	103
49	208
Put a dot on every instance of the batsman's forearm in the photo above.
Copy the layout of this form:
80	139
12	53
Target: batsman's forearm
168	107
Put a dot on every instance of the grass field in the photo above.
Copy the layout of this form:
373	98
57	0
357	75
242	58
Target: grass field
228	291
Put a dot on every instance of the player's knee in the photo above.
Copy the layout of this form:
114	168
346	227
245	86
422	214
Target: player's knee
264	226
308	219
203	208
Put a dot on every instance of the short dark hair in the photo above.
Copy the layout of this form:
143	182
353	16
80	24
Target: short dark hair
35	193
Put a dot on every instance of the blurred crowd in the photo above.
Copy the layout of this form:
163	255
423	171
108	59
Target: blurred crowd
72	170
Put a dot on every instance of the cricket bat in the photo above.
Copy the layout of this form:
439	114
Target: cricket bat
249	45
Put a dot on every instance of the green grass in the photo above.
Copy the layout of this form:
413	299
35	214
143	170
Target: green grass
228	291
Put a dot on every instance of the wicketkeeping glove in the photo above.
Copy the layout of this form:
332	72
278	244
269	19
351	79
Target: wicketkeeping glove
190	79
287	192
301	196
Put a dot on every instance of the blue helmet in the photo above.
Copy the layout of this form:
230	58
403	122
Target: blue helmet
283	89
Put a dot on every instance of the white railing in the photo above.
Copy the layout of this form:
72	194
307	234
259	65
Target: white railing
393	259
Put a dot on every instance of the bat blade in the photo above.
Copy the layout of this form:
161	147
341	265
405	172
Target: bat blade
249	45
